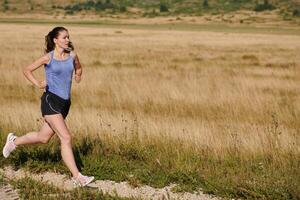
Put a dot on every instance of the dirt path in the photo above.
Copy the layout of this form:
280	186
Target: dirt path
7	192
122	189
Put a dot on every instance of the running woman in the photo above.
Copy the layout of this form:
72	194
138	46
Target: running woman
60	62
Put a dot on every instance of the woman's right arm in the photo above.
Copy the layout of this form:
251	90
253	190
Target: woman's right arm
27	71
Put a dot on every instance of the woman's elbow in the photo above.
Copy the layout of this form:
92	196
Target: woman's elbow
26	72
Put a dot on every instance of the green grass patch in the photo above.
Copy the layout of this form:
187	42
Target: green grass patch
175	6
159	162
223	28
34	190
1	178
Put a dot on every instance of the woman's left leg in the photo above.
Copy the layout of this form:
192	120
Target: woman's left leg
57	123
42	136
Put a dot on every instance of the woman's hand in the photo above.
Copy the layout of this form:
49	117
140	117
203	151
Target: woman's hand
42	84
77	78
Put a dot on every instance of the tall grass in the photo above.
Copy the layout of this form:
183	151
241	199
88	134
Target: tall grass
213	110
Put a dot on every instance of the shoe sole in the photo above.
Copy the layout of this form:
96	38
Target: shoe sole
7	140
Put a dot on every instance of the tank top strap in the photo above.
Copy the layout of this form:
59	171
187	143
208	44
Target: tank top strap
72	55
51	54
51	57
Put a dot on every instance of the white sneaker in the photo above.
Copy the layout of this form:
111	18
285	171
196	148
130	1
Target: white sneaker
82	180
9	145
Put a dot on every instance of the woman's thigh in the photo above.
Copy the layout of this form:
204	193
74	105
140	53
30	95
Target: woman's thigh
46	131
57	123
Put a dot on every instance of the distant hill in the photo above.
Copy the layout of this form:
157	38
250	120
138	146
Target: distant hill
151	8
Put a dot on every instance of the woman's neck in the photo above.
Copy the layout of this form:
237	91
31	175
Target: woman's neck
60	53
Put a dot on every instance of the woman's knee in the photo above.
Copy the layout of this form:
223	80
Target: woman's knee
44	140
66	138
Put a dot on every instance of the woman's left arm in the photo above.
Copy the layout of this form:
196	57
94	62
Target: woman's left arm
78	68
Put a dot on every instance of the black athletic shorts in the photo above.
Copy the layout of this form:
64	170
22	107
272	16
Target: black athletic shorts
52	104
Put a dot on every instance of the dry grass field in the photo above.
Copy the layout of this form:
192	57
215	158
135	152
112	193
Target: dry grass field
213	90
218	91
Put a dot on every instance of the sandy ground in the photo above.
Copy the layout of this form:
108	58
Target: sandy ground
7	192
122	189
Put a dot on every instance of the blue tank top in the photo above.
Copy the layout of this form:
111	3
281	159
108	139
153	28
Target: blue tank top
59	76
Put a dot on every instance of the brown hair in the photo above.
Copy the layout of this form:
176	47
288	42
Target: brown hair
49	43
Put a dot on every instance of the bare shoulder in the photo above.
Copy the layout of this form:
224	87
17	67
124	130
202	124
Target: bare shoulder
73	54
45	59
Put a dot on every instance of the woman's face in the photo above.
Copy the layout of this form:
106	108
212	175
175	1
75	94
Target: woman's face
62	40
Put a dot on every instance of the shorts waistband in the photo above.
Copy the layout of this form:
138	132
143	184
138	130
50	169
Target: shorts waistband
57	97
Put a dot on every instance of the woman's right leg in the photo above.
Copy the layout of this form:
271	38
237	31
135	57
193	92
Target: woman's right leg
43	136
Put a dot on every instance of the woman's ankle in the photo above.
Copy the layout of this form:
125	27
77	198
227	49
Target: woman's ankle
75	175
15	141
